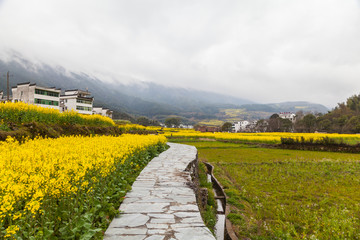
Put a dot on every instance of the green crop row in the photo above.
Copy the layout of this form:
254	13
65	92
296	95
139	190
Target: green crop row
287	194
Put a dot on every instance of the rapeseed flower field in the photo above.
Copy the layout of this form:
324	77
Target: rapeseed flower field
21	113
59	187
273	137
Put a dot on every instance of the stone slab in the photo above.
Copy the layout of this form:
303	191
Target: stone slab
161	204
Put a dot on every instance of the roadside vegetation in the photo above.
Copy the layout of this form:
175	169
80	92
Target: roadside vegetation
208	208
286	194
64	175
68	187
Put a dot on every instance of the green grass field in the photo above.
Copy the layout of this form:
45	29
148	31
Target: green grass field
287	194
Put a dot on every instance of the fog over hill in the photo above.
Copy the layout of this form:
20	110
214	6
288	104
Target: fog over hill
139	98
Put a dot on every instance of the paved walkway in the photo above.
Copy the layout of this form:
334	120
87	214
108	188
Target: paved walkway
161	204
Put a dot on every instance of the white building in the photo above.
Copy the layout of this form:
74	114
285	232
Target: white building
186	126
288	115
33	94
103	111
3	98
77	100
240	126
251	126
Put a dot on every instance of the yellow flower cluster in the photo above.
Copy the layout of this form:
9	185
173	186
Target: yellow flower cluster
128	127
58	167
136	127
24	113
273	137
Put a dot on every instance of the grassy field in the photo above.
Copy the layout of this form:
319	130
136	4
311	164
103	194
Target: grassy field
287	194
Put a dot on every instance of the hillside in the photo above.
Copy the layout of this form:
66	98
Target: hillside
140	98
145	98
287	107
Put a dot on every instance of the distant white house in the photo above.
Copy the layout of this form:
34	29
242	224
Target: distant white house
186	126
3	98
288	115
103	111
37	95
77	100
240	126
251	126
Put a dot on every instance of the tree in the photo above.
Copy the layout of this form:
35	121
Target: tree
274	123
286	125
324	125
299	115
261	125
309	122
354	103
226	127
344	118
144	121
353	125
274	116
147	122
172	122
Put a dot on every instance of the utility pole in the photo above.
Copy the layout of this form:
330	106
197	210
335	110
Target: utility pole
8	85
8	88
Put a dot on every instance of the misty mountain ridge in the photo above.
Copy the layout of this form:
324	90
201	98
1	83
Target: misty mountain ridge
287	107
139	98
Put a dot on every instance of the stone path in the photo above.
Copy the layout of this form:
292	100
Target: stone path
162	205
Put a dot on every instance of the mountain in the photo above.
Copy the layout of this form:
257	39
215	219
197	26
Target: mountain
143	98
287	107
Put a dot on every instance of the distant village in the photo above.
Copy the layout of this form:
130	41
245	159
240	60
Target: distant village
77	100
245	126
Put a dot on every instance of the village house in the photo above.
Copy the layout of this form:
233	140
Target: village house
77	100
288	115
186	126
51	97
240	126
251	126
207	129
3	98
102	111
37	95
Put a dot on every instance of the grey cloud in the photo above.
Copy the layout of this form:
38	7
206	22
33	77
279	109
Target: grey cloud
265	51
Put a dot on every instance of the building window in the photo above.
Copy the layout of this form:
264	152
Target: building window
46	93
83	101
46	102
82	108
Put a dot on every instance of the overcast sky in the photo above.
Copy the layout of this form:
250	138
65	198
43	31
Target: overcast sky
261	50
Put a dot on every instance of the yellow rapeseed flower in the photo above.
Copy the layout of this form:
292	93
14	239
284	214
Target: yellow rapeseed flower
55	168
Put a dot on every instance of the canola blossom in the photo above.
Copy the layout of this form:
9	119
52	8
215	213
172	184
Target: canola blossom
136	127
25	113
41	169
271	137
